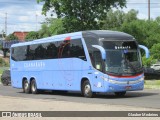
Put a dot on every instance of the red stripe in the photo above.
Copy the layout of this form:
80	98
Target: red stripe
125	76
67	38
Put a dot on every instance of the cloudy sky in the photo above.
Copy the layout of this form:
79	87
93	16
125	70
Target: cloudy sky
25	15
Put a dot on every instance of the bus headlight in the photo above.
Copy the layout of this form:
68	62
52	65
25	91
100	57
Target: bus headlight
123	82
117	82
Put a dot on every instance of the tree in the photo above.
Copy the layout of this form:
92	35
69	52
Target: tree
11	37
148	61
56	26
114	19
80	14
32	36
44	31
146	32
155	51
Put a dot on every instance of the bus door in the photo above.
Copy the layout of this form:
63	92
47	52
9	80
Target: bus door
97	63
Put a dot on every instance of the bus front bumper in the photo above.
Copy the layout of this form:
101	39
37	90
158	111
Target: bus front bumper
115	87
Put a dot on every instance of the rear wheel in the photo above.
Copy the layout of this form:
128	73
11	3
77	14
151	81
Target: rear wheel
5	82
26	87
86	89
34	87
120	94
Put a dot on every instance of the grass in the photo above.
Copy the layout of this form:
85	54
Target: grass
1	71
152	84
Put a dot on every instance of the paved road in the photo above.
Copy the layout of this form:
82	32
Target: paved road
146	98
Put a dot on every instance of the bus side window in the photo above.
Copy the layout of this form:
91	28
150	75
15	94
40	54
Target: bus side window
77	50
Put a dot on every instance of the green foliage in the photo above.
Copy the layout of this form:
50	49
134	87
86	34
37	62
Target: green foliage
148	61
114	19
146	32
80	15
155	51
56	26
11	37
51	26
3	63
32	36
44	31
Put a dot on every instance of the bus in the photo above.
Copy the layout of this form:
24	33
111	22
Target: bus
90	62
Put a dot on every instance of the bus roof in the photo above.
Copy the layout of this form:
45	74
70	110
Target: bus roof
51	39
112	35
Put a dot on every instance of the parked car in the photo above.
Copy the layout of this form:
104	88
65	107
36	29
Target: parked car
6	77
150	74
156	67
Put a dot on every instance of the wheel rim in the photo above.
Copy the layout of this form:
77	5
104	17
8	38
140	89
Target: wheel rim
26	85
87	89
33	87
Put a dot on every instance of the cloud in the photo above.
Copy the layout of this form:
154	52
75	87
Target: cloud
23	18
21	15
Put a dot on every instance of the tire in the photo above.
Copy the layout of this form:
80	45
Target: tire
5	82
120	94
86	89
26	87
34	87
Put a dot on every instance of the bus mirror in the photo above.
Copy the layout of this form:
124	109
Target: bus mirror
102	50
145	49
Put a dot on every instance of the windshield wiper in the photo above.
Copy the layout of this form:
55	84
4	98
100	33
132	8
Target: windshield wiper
116	73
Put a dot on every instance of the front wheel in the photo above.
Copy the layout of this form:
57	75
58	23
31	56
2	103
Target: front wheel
120	94
86	89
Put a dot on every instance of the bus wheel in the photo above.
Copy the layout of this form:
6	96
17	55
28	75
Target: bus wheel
86	89
34	87
120	94
26	86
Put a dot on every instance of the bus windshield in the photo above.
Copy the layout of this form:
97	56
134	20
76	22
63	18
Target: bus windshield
123	58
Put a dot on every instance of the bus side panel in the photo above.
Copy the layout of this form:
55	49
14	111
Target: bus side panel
73	76
16	79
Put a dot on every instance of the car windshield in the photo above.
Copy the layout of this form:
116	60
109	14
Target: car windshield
123	58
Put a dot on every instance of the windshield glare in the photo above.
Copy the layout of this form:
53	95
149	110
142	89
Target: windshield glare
122	58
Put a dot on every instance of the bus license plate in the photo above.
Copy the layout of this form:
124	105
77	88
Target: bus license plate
128	87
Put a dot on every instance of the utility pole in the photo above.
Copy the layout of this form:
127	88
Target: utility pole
6	24
36	22
148	9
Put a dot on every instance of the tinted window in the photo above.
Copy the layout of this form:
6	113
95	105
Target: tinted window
40	52
91	41
19	53
52	50
64	49
71	48
77	50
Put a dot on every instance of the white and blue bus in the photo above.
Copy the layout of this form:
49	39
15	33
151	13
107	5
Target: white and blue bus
97	61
